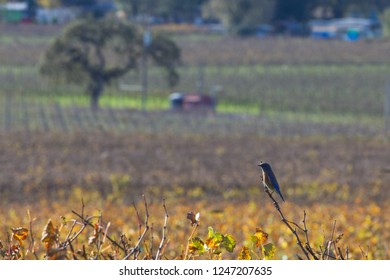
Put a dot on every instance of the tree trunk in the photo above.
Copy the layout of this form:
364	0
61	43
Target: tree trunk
95	90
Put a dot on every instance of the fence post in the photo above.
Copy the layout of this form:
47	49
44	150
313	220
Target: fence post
200	79
386	109
8	112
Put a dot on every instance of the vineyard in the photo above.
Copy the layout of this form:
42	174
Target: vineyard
122	182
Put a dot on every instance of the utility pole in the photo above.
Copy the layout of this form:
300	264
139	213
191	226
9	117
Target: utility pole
200	80
386	109
147	41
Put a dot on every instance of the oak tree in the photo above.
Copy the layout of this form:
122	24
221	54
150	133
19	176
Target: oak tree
96	52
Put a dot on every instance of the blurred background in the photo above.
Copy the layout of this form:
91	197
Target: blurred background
303	85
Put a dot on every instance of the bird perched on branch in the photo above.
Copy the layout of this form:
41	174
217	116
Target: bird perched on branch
269	179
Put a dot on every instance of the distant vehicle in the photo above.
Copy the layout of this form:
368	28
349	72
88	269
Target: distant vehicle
349	29
192	102
14	12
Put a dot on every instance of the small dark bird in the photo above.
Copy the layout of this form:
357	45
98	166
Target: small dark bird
269	179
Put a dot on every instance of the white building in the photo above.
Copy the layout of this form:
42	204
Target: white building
57	15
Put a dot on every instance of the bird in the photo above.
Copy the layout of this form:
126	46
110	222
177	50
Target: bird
269	179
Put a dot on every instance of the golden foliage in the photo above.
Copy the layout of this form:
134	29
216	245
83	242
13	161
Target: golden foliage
19	234
259	238
244	254
268	251
358	225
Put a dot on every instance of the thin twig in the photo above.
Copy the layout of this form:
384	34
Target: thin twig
91	225
125	243
98	241
84	253
364	254
71	230
284	220
164	237
330	242
333	240
32	241
139	220
75	235
305	230
195	226
105	232
136	247
82	208
340	253
73	252
146	211
151	241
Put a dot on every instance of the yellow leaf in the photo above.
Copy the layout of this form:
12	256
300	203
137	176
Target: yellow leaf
268	251
259	238
244	254
19	234
196	245
212	243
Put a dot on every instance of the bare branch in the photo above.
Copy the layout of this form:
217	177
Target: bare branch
82	208
71	230
151	241
88	223
135	250
139	220
164	237
330	242
73	252
195	227
307	245
32	241
299	242
340	253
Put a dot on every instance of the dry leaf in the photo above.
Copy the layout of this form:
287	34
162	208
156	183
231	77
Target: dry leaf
19	234
193	218
49	235
94	237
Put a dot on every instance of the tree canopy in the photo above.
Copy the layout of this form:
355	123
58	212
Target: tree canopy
242	16
173	10
96	52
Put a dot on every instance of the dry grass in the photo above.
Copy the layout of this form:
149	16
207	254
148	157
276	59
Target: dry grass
290	51
192	165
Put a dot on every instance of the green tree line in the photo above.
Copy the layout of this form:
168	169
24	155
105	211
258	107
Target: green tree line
241	16
187	10
300	10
